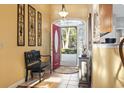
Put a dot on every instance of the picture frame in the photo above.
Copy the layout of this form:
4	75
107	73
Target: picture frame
31	26
39	29
20	24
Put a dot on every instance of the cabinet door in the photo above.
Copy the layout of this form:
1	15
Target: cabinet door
105	15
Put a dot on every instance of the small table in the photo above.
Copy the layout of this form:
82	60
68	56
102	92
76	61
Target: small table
84	72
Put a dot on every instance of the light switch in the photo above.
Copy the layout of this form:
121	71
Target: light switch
1	45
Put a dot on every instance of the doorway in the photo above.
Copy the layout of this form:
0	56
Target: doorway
68	46
80	31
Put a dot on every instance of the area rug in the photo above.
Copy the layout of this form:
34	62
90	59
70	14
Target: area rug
66	70
45	84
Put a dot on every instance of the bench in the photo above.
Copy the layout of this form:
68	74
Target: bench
34	64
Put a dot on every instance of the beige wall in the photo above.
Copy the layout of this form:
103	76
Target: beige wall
79	11
106	63
12	56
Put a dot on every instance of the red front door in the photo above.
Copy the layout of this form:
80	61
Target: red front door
55	46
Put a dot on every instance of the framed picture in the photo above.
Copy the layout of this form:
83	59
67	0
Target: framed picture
31	26
39	28
20	24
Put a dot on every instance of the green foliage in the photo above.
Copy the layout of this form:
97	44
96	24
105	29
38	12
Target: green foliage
70	41
68	51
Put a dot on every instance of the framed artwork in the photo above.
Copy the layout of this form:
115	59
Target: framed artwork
31	26
20	24
39	28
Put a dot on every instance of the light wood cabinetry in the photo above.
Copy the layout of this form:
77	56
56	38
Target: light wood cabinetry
106	71
105	16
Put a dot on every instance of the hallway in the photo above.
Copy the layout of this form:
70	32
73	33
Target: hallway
32	33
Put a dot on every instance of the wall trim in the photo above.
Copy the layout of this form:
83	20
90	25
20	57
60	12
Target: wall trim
17	83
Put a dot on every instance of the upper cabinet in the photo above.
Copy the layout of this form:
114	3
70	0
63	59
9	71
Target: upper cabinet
105	16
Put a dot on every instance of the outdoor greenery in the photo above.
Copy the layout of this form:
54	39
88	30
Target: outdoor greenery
69	51
69	40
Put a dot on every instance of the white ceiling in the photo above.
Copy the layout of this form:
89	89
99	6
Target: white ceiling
69	22
118	10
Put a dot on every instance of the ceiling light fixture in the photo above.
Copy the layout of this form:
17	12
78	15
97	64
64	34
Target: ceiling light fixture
63	13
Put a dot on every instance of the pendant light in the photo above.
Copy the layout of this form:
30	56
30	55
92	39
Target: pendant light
63	13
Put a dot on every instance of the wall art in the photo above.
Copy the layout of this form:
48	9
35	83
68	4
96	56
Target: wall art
39	28
20	24
31	26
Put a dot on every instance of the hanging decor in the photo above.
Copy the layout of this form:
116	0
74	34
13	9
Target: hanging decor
39	28
63	13
31	26
20	24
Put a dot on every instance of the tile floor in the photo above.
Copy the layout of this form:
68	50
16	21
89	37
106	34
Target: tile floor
56	80
65	80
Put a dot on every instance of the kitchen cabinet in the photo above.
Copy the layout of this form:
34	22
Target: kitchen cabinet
105	66
105	17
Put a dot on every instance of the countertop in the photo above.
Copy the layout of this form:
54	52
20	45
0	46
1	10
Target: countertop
106	45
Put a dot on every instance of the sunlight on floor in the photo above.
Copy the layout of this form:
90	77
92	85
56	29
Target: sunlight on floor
60	81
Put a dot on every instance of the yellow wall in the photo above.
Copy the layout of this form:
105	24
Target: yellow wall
79	11
12	56
106	63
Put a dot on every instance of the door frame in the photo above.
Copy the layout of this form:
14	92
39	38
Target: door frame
57	22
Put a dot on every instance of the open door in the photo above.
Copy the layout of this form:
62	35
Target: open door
55	46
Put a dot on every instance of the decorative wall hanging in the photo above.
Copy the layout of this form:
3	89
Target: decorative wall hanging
39	25
31	26
20	24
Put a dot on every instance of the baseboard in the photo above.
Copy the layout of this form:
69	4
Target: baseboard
17	83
